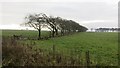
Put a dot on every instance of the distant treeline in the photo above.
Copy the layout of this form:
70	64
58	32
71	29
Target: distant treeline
56	25
107	30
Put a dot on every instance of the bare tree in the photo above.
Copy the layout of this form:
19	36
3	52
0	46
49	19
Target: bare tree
55	24
36	21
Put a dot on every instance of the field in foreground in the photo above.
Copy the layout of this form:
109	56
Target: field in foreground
103	47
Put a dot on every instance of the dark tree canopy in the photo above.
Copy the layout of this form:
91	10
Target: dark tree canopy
107	30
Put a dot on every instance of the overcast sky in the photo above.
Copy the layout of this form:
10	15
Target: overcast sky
90	13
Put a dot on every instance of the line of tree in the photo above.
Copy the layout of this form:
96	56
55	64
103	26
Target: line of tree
56	25
107	30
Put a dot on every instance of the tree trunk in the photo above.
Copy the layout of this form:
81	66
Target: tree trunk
50	34
56	31
39	30
53	32
61	32
39	36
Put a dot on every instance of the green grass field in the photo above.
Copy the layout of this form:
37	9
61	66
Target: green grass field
25	33
103	47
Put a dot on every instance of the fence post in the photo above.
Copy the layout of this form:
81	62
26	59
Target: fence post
87	59
53	55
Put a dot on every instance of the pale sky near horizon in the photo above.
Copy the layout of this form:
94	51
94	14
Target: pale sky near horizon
89	13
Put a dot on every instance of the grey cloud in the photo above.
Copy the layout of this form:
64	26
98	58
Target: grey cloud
82	11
